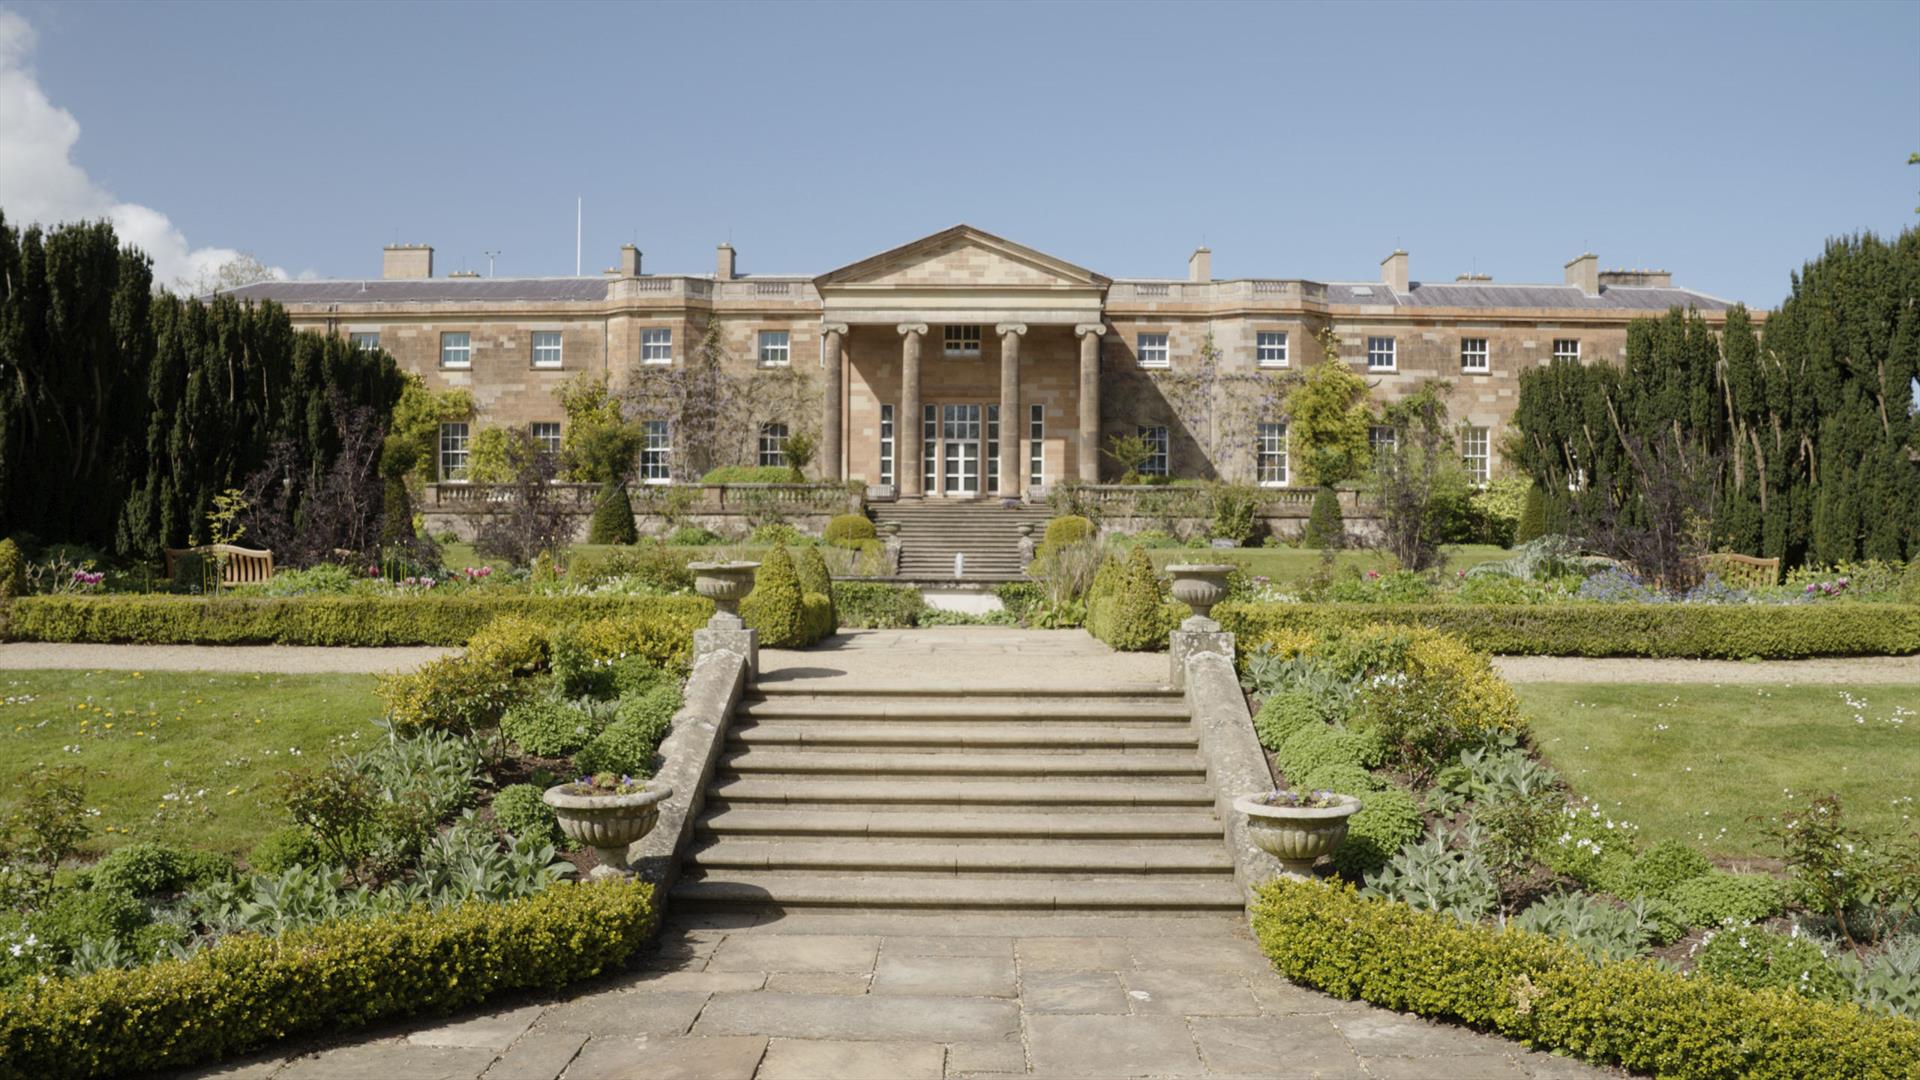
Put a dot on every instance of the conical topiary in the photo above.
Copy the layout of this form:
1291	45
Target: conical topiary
814	579
1325	527
1533	516
612	517
396	512
774	607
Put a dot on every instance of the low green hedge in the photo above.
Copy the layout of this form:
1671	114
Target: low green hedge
250	990
1535	988
319	620
1724	631
877	605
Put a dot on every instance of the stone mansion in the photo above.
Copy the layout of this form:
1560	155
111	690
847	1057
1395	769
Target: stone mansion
962	365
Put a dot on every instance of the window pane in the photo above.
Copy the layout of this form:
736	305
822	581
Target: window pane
656	345
365	342
456	350
773	445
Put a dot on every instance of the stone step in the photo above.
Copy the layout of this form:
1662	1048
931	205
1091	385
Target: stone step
769	888
925	858
1110	692
1078	795
960	710
1010	736
1144	763
1112	826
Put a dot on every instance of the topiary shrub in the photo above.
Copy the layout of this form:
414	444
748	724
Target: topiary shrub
612	521
285	848
1761	959
1325	527
1341	779
627	746
1284	713
149	869
1389	819
511	643
1062	531
1716	898
1132	614
519	811
13	570
847	530
775	607
811	569
1316	745
1533	516
1660	869
548	725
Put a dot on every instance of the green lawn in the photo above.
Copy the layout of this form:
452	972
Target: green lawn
1696	762
1296	564
188	757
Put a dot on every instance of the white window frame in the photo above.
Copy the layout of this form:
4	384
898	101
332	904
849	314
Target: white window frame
773	445
1475	356
961	340
547	434
455	445
1476	449
656	345
991	450
1566	349
929	447
1273	466
1158	462
548	348
886	444
776	348
1270	348
1382	435
1154	350
461	354
1381	349
1037	448
364	340
656	452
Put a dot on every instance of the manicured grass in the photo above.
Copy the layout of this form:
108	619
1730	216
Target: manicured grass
187	757
1285	565
1698	762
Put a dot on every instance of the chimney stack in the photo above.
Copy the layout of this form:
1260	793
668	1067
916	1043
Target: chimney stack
1393	271
1200	264
629	260
1658	279
406	261
1584	271
723	265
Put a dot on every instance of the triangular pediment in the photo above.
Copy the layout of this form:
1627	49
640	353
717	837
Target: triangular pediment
964	257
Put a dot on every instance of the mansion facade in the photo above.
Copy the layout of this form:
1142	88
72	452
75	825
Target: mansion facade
963	365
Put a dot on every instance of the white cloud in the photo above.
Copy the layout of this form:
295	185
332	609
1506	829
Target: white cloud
39	181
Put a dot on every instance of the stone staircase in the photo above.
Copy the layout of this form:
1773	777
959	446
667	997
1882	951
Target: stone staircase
932	532
1028	799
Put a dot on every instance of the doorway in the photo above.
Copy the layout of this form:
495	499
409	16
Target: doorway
960	451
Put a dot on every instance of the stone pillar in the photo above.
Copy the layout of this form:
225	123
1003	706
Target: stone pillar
831	454
1010	425
910	434
1090	335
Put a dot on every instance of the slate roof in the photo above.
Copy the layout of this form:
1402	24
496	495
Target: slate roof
1496	295
426	290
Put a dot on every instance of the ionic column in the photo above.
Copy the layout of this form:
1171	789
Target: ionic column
1090	335
834	404
1010	334
911	437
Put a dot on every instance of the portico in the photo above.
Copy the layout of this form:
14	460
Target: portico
961	366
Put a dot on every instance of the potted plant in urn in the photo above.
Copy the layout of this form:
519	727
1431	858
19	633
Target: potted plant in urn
1297	827
607	813
1200	586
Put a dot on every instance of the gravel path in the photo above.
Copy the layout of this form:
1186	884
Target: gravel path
278	659
1833	670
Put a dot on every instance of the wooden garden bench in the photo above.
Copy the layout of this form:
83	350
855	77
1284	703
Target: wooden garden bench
238	565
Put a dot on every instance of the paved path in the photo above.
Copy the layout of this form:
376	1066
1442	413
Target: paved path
988	657
278	659
1832	670
924	997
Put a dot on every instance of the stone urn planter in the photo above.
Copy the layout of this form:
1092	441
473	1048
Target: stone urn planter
607	823
1200	586
724	583
1297	834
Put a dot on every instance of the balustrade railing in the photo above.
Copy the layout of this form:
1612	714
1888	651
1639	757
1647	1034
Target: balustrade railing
1121	499
653	498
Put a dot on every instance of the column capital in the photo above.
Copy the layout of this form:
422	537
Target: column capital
1097	329
834	328
912	328
1005	328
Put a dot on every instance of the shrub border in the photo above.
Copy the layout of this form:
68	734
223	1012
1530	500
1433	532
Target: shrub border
1534	988
250	990
1702	631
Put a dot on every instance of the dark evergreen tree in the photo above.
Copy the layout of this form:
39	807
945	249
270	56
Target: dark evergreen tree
1533	517
1325	526
612	521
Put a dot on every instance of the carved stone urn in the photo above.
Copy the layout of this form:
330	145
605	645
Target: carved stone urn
1200	586
607	823
724	583
1297	835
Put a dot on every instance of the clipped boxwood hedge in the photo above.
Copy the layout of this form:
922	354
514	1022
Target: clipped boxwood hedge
448	619
1540	990
1723	631
250	990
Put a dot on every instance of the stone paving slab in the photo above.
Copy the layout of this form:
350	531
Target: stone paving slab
848	996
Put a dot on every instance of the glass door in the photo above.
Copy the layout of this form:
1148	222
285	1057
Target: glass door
960	438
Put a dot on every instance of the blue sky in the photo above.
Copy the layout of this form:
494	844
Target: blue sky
1724	143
